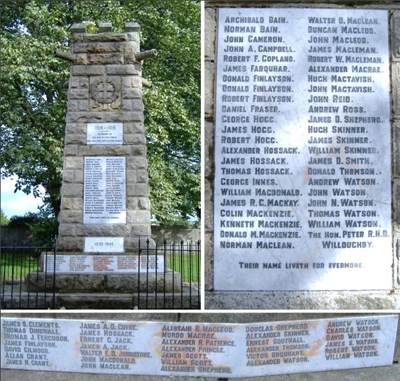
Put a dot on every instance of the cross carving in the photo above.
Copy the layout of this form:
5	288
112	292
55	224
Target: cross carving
105	92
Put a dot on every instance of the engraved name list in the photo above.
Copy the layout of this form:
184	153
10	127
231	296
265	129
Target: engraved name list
302	150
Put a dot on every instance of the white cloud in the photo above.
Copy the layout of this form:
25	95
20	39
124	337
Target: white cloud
19	203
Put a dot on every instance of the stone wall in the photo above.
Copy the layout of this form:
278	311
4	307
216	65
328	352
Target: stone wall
11	234
175	234
301	300
158	233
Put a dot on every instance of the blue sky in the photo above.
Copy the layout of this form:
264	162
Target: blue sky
16	204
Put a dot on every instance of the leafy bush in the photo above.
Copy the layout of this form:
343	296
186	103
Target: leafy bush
42	226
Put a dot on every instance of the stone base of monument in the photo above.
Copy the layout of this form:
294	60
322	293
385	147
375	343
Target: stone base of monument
100	283
105	272
106	301
104	281
180	295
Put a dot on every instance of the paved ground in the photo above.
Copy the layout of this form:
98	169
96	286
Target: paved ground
16	298
391	373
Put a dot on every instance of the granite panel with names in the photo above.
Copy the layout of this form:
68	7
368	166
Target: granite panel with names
105	190
99	263
197	349
302	150
104	133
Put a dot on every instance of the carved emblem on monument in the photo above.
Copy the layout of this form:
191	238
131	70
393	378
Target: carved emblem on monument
105	94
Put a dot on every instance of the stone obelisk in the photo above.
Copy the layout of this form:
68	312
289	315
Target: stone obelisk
105	192
105	209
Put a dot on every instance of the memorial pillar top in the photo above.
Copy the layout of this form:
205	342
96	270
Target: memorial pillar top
105	47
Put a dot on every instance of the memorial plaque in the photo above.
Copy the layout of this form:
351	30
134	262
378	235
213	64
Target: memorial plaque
104	133
197	349
302	150
104	244
105	190
86	263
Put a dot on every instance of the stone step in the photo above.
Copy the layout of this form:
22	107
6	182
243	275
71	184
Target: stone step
189	299
387	373
124	301
104	282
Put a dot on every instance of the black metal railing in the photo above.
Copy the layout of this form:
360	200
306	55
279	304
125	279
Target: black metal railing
167	277
177	285
19	262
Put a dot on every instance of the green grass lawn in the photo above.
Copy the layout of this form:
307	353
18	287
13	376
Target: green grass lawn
22	264
186	264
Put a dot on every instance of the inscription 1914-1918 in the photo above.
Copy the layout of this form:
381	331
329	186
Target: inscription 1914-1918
302	152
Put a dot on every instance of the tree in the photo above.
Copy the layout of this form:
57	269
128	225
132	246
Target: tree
3	218
33	91
42	226
33	99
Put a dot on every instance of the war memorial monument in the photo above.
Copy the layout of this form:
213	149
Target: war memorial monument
105	219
